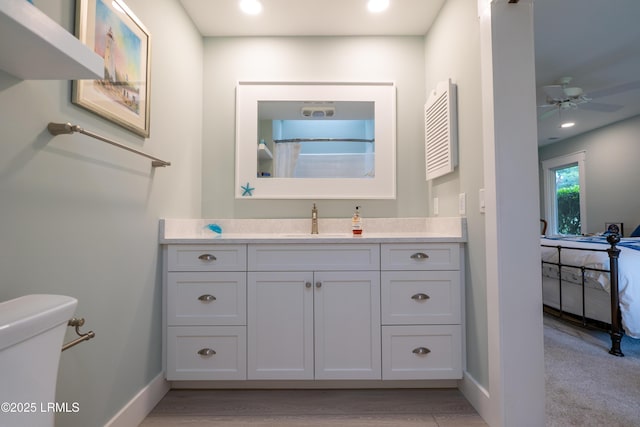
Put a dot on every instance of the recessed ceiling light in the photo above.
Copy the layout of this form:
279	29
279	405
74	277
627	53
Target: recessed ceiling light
376	6
251	7
567	125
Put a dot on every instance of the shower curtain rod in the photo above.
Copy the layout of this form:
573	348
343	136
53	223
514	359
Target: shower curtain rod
323	140
67	128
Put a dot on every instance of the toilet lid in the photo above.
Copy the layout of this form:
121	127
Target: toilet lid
22	318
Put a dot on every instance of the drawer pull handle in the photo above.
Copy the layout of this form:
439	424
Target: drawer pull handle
420	297
307	285
207	298
207	257
318	284
206	352
419	256
421	350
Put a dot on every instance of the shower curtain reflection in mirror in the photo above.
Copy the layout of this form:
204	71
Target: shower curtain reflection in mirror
286	157
320	148
295	159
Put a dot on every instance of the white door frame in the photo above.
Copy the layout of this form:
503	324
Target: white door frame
514	296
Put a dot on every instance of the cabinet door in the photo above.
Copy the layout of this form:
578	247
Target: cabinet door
280	325
347	325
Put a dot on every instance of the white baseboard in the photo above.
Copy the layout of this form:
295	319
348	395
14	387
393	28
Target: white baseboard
477	395
135	411
313	384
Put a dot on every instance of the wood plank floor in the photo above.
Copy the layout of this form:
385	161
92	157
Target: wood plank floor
315	408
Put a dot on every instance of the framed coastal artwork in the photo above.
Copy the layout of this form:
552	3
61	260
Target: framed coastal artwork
117	35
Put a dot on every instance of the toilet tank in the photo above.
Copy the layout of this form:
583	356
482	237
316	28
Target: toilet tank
32	330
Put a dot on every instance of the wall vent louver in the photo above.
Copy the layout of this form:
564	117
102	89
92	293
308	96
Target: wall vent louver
441	130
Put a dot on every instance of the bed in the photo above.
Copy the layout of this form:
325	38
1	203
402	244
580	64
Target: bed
596	278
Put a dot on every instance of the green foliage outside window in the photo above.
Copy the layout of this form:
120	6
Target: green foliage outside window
569	210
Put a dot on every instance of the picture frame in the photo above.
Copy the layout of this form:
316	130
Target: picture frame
111	30
614	227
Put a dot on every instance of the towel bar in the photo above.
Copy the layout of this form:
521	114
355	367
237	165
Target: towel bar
67	128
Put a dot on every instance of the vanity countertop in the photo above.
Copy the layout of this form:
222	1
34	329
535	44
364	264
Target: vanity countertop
331	230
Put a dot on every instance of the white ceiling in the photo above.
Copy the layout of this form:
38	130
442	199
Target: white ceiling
312	18
596	42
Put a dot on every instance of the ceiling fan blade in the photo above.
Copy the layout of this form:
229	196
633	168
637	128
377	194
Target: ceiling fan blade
601	107
614	90
547	114
555	92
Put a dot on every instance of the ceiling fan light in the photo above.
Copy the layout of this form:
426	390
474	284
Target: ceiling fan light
573	92
567	125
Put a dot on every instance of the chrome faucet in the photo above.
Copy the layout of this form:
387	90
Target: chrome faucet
314	220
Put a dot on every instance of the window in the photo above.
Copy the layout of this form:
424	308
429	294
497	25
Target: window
564	194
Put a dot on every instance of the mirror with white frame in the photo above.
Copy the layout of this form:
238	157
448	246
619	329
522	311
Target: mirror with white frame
315	140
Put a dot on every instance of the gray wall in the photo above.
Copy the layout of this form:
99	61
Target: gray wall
612	173
80	217
228	60
452	49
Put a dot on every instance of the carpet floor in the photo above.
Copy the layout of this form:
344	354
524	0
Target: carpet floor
585	385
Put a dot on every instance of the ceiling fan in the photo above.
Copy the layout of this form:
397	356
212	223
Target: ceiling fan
561	96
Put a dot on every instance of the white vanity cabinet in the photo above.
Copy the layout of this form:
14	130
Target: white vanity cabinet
205	312
346	309
314	312
421	311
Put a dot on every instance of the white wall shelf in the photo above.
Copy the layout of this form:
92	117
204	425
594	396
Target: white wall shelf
264	153
35	47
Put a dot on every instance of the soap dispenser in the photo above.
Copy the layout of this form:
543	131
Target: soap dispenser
356	222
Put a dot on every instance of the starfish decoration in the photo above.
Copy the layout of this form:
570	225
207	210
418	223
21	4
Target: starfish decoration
247	190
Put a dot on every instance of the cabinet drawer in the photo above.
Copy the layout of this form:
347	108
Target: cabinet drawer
303	257
206	353
421	352
420	297
207	258
206	298
435	256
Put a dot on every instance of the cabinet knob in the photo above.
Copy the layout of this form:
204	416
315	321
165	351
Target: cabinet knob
318	284
207	257
307	285
421	350
419	256
420	297
206	298
206	352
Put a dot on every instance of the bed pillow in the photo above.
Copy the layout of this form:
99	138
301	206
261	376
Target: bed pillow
636	232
